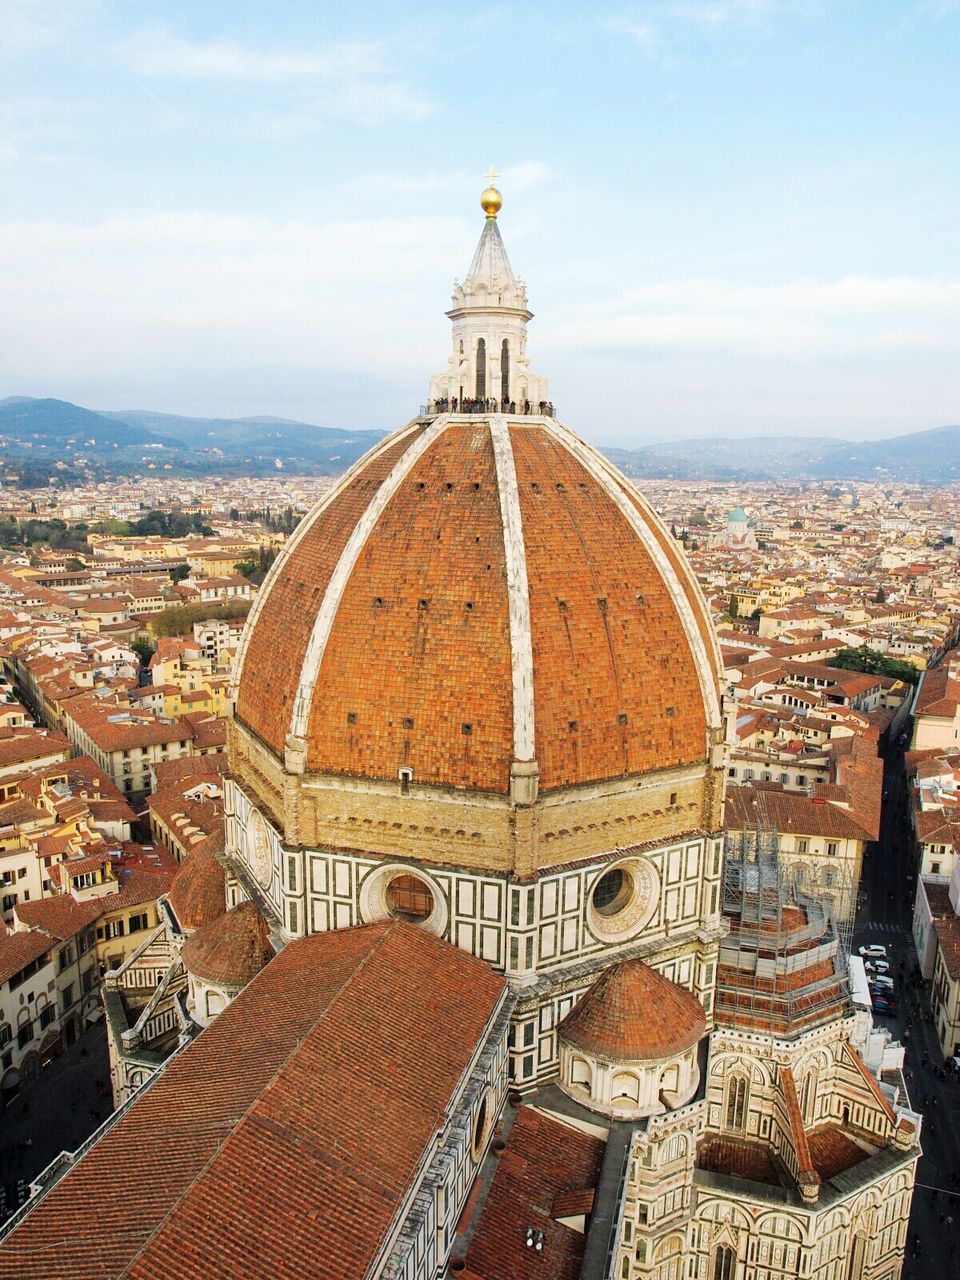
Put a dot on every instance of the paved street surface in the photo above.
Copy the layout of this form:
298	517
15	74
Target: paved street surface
885	915
56	1112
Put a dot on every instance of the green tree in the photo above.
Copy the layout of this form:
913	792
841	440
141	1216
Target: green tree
179	572
178	620
873	662
144	649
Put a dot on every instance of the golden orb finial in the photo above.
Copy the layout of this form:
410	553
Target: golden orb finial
491	202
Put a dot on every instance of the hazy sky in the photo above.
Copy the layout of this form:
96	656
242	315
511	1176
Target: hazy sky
733	216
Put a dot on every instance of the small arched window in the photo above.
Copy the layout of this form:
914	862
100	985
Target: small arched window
481	392
736	1109
857	1258
724	1263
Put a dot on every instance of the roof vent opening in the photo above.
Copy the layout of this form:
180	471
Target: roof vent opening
468	605
378	602
562	606
641	599
622	718
420	485
466	728
408	722
448	486
424	604
476	485
351	717
573	725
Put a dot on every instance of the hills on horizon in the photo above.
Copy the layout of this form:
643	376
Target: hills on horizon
43	437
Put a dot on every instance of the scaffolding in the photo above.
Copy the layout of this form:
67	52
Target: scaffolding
783	963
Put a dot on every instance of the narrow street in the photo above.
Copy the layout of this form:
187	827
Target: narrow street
56	1112
885	914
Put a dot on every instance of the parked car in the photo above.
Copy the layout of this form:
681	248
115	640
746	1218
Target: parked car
874	951
880	983
877	967
885	1008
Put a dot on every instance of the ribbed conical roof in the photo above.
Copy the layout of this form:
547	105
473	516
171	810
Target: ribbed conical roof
490	265
634	1014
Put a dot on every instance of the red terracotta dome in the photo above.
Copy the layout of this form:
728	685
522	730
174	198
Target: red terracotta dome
229	951
478	591
632	1013
198	892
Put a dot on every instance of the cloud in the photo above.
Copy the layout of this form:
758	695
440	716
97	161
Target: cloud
648	24
194	291
714	13
29	125
800	320
34	24
355	80
341	321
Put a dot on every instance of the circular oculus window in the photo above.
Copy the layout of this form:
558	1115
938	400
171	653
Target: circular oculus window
623	899
403	894
482	1124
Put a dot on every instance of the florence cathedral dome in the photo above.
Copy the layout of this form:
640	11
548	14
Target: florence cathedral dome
483	603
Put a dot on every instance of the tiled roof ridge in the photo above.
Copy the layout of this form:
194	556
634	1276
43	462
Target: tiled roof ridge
871	1080
798	1136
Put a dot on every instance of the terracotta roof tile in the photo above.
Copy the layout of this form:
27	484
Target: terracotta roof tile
417	667
231	949
321	1086
18	949
544	1162
198	892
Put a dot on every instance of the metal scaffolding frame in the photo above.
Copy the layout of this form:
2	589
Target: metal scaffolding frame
783	963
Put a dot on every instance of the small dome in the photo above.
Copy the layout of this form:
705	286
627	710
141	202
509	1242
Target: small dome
634	1014
229	951
198	892
738	516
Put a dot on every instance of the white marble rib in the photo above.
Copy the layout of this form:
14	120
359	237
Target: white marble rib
323	623
295	538
518	592
585	454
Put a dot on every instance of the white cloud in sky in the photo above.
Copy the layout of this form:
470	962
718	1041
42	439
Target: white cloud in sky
799	320
174	296
34	24
646	24
352	79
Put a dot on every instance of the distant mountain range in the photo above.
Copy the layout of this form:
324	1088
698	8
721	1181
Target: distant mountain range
924	457
56	437
39	438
